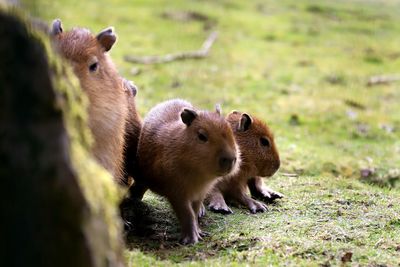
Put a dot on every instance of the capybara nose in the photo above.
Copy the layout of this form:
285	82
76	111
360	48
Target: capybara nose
226	163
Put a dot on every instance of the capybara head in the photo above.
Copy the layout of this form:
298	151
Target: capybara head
211	142
259	153
88	55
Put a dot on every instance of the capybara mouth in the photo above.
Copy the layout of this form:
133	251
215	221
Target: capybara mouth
269	172
227	166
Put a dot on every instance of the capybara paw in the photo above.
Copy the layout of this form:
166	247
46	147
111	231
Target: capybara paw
267	195
255	206
189	239
202	211
275	195
204	234
219	208
127	225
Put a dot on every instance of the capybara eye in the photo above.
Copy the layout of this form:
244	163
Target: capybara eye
93	67
265	142
202	137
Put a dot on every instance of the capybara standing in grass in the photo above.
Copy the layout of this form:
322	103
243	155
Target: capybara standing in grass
109	94
259	157
181	153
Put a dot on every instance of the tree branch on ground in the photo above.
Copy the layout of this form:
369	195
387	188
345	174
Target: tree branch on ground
197	54
382	79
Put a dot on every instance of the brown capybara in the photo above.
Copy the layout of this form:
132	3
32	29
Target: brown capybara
181	153
110	102
259	158
132	132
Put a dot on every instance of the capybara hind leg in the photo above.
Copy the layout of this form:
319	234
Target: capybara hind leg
259	191
187	219
216	202
137	190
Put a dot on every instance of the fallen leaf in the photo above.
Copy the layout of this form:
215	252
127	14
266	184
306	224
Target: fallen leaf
135	71
362	128
367	172
352	114
382	79
354	104
386	127
294	120
335	79
346	257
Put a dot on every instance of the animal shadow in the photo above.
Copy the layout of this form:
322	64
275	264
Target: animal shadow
149	226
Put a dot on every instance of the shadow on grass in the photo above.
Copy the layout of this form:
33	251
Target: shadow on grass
149	228
154	229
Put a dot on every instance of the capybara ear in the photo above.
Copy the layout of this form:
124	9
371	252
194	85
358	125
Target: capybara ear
107	38
245	122
218	109
56	27
188	116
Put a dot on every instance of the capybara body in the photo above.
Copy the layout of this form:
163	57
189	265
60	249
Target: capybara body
259	158
181	153
111	101
132	132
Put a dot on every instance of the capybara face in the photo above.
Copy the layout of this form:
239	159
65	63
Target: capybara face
259	153
87	54
211	142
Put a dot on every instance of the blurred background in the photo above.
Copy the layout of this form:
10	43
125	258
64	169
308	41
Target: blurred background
323	74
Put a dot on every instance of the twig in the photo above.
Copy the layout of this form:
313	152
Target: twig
383	79
201	53
289	174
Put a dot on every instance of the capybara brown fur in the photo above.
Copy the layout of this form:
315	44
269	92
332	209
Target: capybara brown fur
111	110
181	153
132	132
259	158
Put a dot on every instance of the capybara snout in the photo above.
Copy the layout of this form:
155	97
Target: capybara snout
271	171
211	142
227	162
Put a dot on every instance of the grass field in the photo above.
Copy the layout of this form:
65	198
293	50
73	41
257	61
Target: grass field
302	66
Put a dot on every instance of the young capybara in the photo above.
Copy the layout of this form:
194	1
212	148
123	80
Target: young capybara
132	132
111	107
259	157
181	153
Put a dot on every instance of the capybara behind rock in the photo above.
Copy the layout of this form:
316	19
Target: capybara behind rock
259	157
109	94
181	153
132	132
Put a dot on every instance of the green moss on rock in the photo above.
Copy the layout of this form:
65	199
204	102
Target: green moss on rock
63	209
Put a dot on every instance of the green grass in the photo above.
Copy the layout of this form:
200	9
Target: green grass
303	67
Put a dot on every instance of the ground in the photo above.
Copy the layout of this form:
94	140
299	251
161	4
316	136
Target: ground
302	66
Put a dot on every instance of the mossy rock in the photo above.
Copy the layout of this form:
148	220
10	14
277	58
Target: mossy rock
60	206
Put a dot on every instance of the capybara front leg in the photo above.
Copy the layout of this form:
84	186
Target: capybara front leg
253	205
187	219
200	210
259	191
216	202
